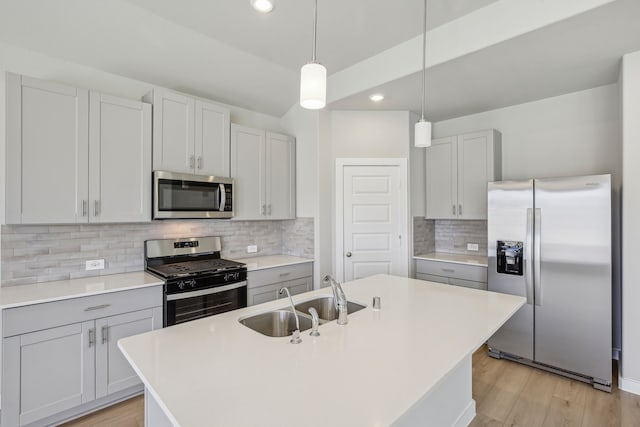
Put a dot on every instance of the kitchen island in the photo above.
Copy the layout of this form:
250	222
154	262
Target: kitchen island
406	364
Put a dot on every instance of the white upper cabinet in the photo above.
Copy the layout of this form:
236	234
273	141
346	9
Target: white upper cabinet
120	159
263	168
47	149
71	162
458	170
212	139
280	176
189	135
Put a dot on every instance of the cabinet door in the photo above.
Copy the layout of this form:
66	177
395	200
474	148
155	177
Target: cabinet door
280	176
441	175
263	293
47	372
298	286
247	169
173	125
47	149
113	372
212	139
475	160
119	159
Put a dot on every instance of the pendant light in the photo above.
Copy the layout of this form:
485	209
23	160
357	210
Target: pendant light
422	130
313	76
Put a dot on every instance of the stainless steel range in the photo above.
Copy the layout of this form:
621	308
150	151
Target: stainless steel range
198	283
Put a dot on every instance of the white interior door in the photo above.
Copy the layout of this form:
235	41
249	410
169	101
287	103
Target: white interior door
374	222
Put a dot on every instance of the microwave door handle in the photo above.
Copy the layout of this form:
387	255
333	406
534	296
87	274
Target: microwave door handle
223	196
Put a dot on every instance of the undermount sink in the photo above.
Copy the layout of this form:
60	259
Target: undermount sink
326	307
277	323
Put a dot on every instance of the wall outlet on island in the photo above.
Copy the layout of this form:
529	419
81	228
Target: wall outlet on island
94	264
472	246
252	249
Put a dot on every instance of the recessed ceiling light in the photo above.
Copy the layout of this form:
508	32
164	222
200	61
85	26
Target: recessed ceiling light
376	97
264	6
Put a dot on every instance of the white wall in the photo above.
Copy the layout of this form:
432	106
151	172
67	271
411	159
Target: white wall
630	90
356	134
573	134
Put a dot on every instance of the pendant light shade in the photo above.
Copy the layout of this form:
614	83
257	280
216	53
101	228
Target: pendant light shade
313	86
313	76
422	134
422	131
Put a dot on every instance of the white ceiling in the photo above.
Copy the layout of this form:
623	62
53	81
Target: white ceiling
348	31
224	50
579	53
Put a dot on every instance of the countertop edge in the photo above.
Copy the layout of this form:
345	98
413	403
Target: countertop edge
251	266
428	257
81	294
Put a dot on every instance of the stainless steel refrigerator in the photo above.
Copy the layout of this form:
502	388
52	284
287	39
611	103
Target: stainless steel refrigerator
549	240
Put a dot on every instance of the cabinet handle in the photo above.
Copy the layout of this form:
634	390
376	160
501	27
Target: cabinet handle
199	162
84	207
92	337
105	334
269	208
97	307
96	208
453	209
192	162
459	209
264	210
448	270
285	274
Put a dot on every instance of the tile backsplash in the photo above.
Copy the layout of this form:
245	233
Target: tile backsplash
42	253
453	235
424	240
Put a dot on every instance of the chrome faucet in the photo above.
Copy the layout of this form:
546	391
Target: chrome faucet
339	298
295	337
315	322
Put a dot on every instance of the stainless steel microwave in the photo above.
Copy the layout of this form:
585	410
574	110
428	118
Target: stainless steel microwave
180	195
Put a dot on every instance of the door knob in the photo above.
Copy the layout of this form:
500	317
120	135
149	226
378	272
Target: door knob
348	254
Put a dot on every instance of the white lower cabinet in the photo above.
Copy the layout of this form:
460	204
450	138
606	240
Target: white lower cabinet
53	373
466	275
264	285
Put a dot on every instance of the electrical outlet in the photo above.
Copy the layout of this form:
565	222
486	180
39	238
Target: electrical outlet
251	249
95	264
472	246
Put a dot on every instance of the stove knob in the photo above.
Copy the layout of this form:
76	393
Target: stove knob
181	284
193	283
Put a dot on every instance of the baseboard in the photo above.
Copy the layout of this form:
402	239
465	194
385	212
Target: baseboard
627	384
467	415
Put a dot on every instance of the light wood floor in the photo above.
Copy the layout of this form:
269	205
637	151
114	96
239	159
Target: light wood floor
506	394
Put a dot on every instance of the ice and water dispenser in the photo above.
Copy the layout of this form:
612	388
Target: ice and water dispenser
509	257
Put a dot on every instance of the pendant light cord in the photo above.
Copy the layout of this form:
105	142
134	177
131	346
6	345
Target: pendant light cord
424	65
315	25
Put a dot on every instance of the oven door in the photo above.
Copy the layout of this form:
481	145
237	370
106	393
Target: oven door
185	306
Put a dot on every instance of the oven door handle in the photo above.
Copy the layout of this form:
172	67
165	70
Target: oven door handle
208	291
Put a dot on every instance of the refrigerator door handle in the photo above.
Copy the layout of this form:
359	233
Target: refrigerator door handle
528	267
536	257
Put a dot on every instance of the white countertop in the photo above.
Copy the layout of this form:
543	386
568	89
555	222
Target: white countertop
216	371
19	295
480	260
270	261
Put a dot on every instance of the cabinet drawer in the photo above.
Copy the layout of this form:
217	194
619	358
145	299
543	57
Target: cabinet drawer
468	284
278	274
36	317
474	273
298	286
432	278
